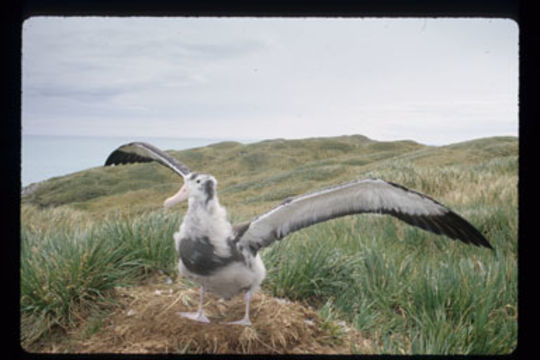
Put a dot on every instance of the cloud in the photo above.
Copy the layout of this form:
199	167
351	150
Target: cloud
266	77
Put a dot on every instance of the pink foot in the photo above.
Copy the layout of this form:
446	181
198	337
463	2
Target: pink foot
197	316
244	321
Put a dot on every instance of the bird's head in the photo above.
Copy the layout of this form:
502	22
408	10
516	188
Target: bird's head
199	187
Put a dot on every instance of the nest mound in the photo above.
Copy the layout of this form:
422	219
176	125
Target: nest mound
148	322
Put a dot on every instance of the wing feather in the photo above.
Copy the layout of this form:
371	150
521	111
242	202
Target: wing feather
361	196
143	152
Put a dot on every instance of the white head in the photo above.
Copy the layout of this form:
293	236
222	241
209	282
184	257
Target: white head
198	187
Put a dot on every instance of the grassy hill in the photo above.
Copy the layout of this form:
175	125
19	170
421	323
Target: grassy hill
262	173
86	234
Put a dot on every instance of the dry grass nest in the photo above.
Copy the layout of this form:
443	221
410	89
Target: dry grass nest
147	321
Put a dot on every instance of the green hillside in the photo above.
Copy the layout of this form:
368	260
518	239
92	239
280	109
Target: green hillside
406	290
261	174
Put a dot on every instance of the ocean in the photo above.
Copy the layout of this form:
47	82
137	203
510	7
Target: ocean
43	156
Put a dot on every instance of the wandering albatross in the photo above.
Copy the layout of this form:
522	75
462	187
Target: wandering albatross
224	259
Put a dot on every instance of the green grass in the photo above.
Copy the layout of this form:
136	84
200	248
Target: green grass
442	297
67	274
407	290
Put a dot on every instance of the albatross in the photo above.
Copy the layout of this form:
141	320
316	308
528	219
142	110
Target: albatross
225	259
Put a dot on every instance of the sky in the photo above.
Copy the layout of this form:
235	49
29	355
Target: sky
433	80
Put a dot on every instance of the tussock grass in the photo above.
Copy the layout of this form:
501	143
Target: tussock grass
67	273
406	290
444	297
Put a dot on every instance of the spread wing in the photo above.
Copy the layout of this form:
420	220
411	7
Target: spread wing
144	152
361	196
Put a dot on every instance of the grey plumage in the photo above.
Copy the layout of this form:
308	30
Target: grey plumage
357	197
198	255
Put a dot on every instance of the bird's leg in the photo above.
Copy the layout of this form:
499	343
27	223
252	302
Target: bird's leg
245	320
199	315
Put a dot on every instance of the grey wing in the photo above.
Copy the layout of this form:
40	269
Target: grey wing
144	152
361	196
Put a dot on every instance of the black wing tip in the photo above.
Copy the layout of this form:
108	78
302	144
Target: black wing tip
452	225
122	156
483	242
141	152
448	224
112	159
464	231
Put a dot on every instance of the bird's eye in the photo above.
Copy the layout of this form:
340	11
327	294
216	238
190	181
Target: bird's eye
198	181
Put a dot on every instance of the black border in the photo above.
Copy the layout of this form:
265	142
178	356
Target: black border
453	8
15	12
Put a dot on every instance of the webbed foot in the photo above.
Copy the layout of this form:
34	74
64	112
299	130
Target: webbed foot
197	316
244	321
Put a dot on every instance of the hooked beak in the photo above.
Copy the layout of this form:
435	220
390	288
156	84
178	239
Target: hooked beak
181	195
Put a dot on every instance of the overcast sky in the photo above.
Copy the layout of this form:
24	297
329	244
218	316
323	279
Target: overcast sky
436	81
